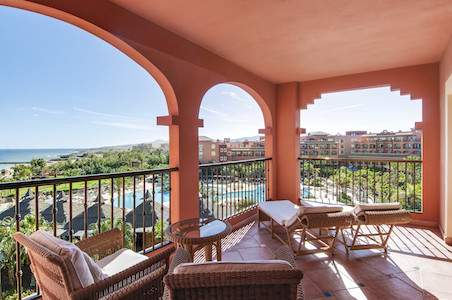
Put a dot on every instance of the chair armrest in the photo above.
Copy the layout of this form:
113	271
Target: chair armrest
180	256
284	253
141	279
102	244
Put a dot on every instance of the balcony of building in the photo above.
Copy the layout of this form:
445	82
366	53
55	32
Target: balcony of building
280	63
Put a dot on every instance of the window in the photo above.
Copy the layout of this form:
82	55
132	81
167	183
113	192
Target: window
213	153
213	146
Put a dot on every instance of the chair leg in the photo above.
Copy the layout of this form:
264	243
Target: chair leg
387	238
344	240
355	236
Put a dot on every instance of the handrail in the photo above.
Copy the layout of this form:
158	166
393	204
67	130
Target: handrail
382	159
236	162
64	180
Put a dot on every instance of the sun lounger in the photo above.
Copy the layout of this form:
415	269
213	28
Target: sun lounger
300	220
375	215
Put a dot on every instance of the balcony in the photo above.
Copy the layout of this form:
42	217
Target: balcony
284	75
231	191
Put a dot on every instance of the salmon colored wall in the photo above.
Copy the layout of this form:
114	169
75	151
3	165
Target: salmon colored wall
287	147
185	71
446	142
421	82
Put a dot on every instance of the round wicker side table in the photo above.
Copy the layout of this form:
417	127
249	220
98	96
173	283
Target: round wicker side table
202	232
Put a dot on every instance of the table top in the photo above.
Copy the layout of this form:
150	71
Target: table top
197	231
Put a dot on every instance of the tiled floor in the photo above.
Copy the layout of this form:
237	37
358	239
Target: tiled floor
417	266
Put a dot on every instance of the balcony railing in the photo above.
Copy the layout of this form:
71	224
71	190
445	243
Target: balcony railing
227	189
137	202
351	181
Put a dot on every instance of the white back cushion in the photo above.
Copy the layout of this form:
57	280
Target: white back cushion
75	261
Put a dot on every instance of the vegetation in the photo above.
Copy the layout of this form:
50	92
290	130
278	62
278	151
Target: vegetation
95	163
366	181
105	225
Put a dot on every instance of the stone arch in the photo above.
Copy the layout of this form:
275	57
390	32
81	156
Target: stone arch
421	82
111	39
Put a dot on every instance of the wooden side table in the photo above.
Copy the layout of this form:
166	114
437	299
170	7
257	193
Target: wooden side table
203	232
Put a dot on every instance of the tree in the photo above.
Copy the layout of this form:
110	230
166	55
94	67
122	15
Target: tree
8	244
22	172
105	225
38	164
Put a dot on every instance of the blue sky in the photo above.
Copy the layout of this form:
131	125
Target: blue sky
61	87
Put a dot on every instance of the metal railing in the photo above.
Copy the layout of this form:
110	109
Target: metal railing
72	208
227	189
353	181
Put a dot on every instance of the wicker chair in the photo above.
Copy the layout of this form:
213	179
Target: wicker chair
376	216
286	219
233	284
143	280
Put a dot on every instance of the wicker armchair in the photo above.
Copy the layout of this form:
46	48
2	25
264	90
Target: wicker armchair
234	284
143	280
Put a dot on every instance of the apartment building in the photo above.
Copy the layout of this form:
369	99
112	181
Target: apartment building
316	144
214	151
360	144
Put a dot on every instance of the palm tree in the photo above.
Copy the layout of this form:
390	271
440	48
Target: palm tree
105	225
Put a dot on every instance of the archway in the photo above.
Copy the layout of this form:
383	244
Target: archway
362	146
238	179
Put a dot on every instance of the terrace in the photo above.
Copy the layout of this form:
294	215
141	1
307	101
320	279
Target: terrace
280	63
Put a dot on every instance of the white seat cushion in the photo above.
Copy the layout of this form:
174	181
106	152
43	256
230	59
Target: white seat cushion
280	210
119	261
74	257
304	210
376	206
285	213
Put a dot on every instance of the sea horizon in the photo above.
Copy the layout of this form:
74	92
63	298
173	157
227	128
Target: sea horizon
25	155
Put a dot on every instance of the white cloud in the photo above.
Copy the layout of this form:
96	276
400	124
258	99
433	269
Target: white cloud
52	112
234	95
100	114
224	116
124	125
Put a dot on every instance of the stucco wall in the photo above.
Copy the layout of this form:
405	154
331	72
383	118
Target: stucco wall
446	142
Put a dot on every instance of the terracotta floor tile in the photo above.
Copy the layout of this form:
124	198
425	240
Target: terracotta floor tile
231	256
435	266
251	242
413	278
433	295
387	265
360	272
358	293
317	264
310	291
394	288
256	253
328	280
437	282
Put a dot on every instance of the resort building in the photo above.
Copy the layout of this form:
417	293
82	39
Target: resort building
360	144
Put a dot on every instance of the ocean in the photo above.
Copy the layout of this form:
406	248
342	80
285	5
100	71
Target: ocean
26	155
